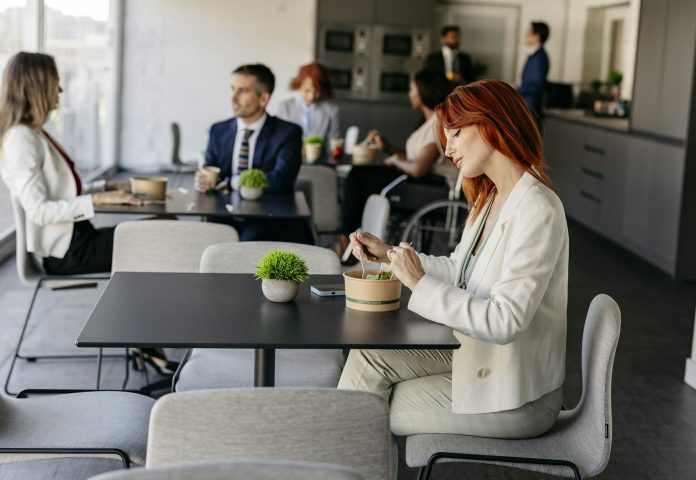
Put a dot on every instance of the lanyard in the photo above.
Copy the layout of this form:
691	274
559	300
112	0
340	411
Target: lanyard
469	254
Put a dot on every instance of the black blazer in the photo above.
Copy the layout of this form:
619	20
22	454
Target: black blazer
436	61
278	151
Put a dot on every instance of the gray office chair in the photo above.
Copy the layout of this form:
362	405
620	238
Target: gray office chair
109	425
234	368
238	470
578	445
339	427
165	246
31	274
178	165
324	202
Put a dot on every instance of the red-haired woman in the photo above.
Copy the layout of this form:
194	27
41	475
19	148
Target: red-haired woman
503	290
311	108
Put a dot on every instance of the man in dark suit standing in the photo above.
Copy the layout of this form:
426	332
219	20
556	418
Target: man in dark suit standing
255	139
536	68
454	64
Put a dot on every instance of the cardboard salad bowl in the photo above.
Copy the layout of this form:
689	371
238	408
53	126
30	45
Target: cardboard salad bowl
371	295
149	188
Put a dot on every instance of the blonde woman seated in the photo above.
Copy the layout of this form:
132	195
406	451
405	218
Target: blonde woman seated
42	176
503	291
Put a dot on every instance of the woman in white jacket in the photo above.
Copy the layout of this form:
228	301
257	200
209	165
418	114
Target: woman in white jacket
42	177
503	291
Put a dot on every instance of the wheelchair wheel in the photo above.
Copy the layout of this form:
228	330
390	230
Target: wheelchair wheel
436	228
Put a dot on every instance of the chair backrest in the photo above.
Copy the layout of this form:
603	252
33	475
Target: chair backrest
324	204
237	470
242	257
176	144
341	427
28	267
589	424
376	216
165	245
351	139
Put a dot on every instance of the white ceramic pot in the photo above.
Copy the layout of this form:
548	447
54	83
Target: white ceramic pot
312	152
280	291
250	193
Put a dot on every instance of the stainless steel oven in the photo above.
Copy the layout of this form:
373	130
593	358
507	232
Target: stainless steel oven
372	61
400	52
350	81
345	41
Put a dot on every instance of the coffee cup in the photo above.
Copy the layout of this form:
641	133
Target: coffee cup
212	174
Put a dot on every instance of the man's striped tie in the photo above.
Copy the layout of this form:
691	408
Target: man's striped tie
244	151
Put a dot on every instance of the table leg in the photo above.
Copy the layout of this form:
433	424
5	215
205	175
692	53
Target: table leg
264	367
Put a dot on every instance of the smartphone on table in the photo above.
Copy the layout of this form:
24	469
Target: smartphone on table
329	290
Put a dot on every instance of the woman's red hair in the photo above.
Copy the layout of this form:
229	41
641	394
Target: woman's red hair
505	124
319	76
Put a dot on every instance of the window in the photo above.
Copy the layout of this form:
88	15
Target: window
77	35
13	15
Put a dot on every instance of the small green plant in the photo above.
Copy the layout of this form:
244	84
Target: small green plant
595	85
314	140
615	78
253	178
280	265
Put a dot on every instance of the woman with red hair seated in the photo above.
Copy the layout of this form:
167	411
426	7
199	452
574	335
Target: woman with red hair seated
311	108
503	291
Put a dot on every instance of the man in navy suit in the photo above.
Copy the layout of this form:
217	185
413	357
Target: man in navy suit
536	68
255	139
449	60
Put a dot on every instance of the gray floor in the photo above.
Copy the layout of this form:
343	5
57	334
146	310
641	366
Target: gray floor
654	411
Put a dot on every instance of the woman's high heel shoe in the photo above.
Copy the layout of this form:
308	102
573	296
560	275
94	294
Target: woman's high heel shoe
162	367
154	357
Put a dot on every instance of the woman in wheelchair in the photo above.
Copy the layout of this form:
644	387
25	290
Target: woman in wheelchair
421	159
503	291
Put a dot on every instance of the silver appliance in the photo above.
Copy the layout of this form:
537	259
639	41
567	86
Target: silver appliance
372	61
345	50
399	53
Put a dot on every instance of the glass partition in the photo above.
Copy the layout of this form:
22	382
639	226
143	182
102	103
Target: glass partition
77	35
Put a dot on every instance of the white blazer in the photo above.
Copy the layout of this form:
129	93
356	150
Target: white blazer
511	319
40	178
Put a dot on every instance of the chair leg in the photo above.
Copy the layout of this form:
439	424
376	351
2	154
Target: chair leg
17	355
184	359
73	451
495	458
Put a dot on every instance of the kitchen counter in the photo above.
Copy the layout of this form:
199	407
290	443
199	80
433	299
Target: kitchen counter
580	116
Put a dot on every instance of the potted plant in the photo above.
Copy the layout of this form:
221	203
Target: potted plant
312	149
614	80
251	183
281	274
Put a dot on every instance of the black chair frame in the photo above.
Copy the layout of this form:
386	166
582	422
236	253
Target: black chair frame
425	472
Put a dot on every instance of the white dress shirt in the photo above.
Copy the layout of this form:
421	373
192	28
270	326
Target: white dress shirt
448	54
241	126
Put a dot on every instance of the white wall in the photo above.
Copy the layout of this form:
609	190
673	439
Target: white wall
177	60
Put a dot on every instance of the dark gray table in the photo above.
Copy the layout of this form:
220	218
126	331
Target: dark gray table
205	310
270	205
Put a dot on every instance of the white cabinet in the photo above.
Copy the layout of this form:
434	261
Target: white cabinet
625	187
562	147
652	201
664	67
